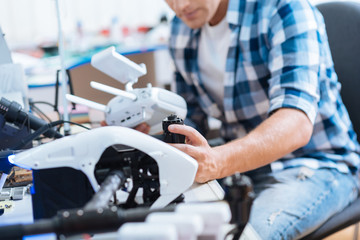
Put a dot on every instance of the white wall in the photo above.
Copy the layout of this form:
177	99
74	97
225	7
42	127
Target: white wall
29	21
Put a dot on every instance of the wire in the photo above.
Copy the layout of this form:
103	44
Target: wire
33	103
42	130
41	113
77	124
42	102
35	134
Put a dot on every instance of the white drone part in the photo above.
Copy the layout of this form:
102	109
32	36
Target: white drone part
214	214
189	226
148	231
82	152
83	101
112	90
117	66
152	106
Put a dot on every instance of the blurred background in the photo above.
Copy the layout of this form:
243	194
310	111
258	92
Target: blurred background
29	23
139	29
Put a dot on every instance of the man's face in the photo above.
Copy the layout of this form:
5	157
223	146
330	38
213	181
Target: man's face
194	13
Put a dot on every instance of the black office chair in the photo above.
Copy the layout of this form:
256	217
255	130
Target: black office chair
342	21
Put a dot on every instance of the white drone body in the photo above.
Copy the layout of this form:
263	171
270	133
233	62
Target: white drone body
82	152
134	106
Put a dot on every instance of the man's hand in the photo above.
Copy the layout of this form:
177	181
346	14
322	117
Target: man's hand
197	147
143	127
282	133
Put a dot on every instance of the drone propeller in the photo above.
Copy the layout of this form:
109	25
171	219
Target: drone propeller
112	90
83	101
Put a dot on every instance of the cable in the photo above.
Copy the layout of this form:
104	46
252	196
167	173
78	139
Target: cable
41	113
77	124
14	113
42	102
35	134
43	129
33	103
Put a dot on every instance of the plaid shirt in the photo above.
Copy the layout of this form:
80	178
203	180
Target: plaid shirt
278	58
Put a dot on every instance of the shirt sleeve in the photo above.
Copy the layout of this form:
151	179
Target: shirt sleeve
294	58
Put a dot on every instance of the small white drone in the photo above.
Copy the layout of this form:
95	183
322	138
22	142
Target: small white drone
82	151
132	106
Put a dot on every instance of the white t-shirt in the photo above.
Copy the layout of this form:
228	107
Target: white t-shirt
213	48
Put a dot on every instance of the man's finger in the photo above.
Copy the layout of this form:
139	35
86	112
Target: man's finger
193	136
143	127
188	149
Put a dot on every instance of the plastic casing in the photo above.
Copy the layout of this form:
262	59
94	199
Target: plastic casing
151	106
82	151
117	66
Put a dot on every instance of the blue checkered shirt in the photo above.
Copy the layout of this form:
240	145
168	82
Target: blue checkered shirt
278	58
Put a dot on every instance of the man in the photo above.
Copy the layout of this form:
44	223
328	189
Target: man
264	68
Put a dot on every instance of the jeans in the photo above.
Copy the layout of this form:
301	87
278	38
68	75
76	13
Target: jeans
294	202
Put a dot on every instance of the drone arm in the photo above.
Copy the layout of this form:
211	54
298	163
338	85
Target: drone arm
83	101
111	90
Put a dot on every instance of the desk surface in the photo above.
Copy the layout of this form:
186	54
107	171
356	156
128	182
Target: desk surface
20	212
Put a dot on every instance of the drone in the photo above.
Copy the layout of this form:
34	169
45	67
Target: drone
170	171
131	107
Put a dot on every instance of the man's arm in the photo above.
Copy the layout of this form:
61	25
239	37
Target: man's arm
282	133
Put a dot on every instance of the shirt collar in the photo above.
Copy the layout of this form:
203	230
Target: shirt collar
235	12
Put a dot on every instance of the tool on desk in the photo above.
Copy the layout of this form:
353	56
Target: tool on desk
14	114
133	106
78	221
15	127
103	220
15	193
7	206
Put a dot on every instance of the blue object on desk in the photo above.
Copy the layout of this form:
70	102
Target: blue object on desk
5	165
47	236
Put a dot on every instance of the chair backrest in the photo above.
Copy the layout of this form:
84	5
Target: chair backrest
342	19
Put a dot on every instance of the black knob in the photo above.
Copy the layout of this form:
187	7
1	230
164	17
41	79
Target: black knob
172	137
